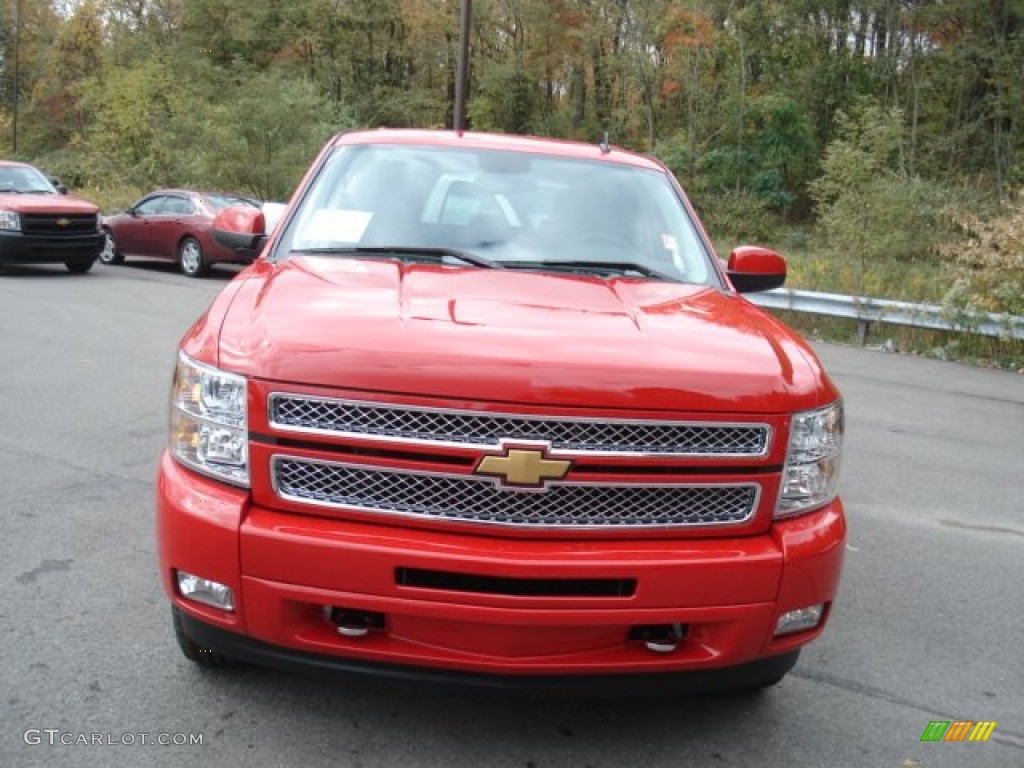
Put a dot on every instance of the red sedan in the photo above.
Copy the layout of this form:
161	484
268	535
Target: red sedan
171	224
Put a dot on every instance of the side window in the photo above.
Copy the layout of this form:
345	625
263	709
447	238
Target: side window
150	205
178	205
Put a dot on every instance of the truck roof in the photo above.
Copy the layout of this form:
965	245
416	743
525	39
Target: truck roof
473	140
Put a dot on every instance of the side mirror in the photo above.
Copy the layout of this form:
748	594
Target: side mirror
752	268
242	229
61	189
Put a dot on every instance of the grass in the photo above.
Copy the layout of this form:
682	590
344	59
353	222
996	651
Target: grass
919	281
110	199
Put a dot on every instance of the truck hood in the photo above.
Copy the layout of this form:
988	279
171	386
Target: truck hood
513	336
43	203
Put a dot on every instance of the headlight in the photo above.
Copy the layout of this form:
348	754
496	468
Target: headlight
208	421
811	474
10	221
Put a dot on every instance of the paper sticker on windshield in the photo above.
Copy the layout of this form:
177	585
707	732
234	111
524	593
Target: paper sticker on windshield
337	225
671	244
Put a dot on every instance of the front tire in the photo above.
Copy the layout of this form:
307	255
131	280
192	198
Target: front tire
110	254
78	267
191	257
193	651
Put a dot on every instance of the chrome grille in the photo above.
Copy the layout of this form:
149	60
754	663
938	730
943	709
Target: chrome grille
478	428
477	500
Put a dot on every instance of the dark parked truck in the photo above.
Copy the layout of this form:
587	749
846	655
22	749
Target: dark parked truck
489	409
40	224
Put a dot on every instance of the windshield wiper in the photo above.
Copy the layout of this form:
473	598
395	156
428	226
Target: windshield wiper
617	267
410	252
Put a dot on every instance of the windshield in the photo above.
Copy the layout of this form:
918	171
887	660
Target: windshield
512	209
24	179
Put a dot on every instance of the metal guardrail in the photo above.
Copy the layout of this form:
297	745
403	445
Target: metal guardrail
868	310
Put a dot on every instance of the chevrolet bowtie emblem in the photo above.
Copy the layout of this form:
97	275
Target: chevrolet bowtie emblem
524	468
63	222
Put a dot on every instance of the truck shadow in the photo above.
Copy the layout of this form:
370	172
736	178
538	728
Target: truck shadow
39	271
454	725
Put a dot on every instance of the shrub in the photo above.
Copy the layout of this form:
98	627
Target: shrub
987	259
733	218
870	211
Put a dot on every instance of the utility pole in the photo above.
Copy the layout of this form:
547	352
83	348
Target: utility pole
462	65
17	75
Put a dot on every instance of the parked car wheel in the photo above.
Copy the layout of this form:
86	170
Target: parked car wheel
110	254
78	267
191	257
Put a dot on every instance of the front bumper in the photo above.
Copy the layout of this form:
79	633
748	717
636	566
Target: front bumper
287	571
21	248
326	667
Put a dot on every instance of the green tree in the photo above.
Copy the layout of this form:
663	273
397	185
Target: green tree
263	135
53	114
130	139
27	32
870	209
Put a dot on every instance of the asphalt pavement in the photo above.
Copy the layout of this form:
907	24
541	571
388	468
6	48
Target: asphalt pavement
928	624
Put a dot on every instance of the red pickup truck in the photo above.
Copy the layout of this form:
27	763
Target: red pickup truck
488	409
41	224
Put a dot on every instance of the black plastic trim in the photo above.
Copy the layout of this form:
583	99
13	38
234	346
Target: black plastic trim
493	585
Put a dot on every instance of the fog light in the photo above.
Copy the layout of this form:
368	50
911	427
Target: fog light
799	620
205	591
